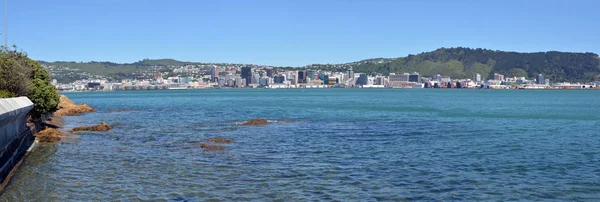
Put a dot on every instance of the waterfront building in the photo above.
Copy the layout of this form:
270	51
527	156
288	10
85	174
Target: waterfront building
221	82
414	77
264	81
380	80
247	74
445	79
362	79
498	77
540	79
332	81
255	78
310	74
270	72
278	79
214	73
239	82
477	78
301	77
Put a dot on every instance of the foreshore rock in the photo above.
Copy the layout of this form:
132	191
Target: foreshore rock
49	135
68	108
254	122
219	140
208	147
100	127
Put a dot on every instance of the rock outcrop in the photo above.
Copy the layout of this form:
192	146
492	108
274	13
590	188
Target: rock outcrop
100	127
49	135
219	140
255	122
67	107
208	147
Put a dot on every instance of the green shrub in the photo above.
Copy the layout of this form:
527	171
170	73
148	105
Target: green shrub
22	76
6	94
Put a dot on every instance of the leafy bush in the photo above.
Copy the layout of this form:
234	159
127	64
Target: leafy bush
22	76
6	94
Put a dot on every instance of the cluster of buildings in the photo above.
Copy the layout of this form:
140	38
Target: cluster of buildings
266	77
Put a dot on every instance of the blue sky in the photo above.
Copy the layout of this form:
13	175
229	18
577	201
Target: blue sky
294	33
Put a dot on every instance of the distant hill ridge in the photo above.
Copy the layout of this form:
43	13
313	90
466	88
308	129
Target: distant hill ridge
455	62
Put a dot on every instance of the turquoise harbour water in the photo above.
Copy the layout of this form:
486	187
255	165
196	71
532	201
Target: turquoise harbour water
346	145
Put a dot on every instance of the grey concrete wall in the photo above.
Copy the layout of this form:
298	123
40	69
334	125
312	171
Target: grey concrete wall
13	118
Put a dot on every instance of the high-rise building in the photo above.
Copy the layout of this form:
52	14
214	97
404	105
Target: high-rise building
247	74
278	79
270	72
477	77
255	78
220	81
541	80
301	77
310	74
350	73
238	82
214	73
362	79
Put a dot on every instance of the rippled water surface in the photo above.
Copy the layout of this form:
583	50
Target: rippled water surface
345	144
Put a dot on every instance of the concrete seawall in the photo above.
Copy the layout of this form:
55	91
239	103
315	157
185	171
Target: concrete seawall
15	136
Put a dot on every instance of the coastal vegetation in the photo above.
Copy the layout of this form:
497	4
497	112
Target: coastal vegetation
22	76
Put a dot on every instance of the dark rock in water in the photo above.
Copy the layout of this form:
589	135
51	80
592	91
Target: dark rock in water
208	147
100	127
117	124
219	140
120	110
254	122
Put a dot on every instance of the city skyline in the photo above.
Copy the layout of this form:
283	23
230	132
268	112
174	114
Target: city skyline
293	34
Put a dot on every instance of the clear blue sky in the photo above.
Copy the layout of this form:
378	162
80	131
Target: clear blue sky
295	33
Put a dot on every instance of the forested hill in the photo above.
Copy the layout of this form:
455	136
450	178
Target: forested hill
465	62
454	62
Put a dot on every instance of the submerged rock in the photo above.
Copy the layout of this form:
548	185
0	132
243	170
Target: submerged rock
254	122
117	124
100	127
68	108
49	135
120	110
208	147
219	140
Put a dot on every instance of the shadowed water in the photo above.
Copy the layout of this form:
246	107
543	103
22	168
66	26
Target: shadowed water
347	144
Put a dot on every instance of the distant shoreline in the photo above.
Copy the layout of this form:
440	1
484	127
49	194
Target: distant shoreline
206	89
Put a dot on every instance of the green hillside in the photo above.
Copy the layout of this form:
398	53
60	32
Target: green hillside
464	62
455	62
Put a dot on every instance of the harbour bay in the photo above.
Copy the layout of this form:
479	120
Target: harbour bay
341	144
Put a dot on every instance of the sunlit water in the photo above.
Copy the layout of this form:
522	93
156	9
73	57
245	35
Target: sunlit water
346	144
